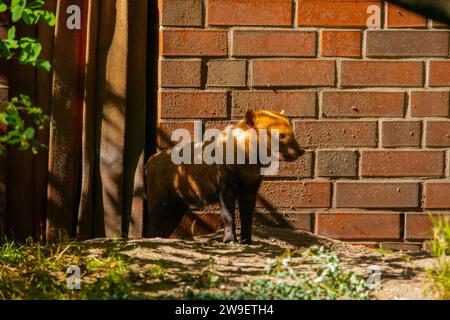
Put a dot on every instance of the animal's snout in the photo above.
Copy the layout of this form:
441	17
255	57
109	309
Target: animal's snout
293	152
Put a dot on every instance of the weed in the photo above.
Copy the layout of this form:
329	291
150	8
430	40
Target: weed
208	277
439	275
156	272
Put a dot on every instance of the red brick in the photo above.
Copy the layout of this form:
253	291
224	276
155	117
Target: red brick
252	43
390	43
335	134
295	103
377	195
341	43
227	73
267	73
382	73
332	163
439	73
181	12
438	134
294	194
430	104
165	130
401	134
186	42
250	12
397	17
220	124
363	104
301	168
401	246
419	226
436	195
196	224
180	73
193	104
358	225
292	220
325	13
402	163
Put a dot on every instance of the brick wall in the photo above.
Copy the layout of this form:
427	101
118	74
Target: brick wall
370	106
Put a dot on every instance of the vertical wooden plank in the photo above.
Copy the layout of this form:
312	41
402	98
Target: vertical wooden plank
3	159
136	113
46	35
2	195
65	145
22	221
113	50
85	226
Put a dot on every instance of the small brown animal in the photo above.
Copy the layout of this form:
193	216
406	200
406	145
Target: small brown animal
172	189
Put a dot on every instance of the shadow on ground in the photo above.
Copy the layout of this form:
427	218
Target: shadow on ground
402	274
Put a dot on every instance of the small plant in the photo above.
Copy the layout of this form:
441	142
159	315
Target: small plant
156	272
439	275
281	280
19	118
208	277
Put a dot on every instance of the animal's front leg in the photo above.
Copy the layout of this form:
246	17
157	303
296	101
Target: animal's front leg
247	204
227	212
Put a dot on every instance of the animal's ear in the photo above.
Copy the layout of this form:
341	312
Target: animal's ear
250	118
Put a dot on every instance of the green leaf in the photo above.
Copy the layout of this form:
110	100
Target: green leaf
43	65
17	8
29	133
50	18
3	6
12	33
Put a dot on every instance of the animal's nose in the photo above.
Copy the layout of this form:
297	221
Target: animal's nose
295	152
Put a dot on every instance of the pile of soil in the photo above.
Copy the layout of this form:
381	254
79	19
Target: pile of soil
402	274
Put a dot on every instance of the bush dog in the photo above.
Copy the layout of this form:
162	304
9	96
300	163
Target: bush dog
171	189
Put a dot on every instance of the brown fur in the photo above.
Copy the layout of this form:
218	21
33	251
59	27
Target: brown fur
172	188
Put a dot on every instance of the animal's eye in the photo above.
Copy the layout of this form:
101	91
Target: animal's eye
282	136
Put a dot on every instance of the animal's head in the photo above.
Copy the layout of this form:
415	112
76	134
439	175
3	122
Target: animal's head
289	148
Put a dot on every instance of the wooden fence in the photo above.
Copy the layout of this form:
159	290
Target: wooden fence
101	94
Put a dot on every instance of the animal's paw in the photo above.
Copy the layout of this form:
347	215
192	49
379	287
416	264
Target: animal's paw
229	239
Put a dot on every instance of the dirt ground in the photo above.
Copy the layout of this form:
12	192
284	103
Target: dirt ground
402	274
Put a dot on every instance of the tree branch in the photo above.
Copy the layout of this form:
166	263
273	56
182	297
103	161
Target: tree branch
438	10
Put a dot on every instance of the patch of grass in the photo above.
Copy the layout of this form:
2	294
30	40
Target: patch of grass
439	275
281	281
33	271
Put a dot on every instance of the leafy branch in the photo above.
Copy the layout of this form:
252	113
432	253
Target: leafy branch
26	51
